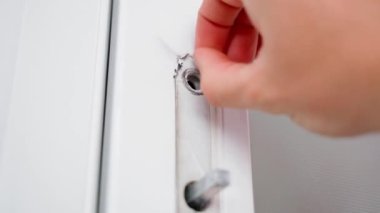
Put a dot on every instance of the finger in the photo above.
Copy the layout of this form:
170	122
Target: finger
243	41
215	19
227	83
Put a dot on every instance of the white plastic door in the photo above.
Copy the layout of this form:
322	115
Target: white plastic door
53	56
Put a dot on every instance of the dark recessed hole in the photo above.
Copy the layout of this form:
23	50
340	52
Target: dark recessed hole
199	204
193	81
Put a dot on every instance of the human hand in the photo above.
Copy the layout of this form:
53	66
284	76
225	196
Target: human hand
318	61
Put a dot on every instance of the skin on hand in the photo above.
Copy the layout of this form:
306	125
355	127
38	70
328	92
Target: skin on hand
316	61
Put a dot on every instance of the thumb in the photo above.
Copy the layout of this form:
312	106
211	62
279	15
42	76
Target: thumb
228	83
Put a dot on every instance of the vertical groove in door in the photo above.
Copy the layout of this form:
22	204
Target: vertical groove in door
102	154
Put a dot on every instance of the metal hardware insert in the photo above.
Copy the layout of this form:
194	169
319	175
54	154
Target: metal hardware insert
191	76
199	194
192	81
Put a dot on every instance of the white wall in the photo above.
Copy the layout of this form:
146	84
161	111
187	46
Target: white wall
299	172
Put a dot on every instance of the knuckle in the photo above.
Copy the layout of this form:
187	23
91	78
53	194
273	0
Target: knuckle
233	3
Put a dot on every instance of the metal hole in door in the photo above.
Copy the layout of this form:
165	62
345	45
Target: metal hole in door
192	81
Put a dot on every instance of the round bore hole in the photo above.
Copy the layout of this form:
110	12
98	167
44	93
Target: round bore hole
192	81
198	204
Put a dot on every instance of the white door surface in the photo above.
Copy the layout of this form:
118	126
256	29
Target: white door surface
139	170
53	56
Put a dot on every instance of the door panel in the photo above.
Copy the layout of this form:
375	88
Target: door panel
52	77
